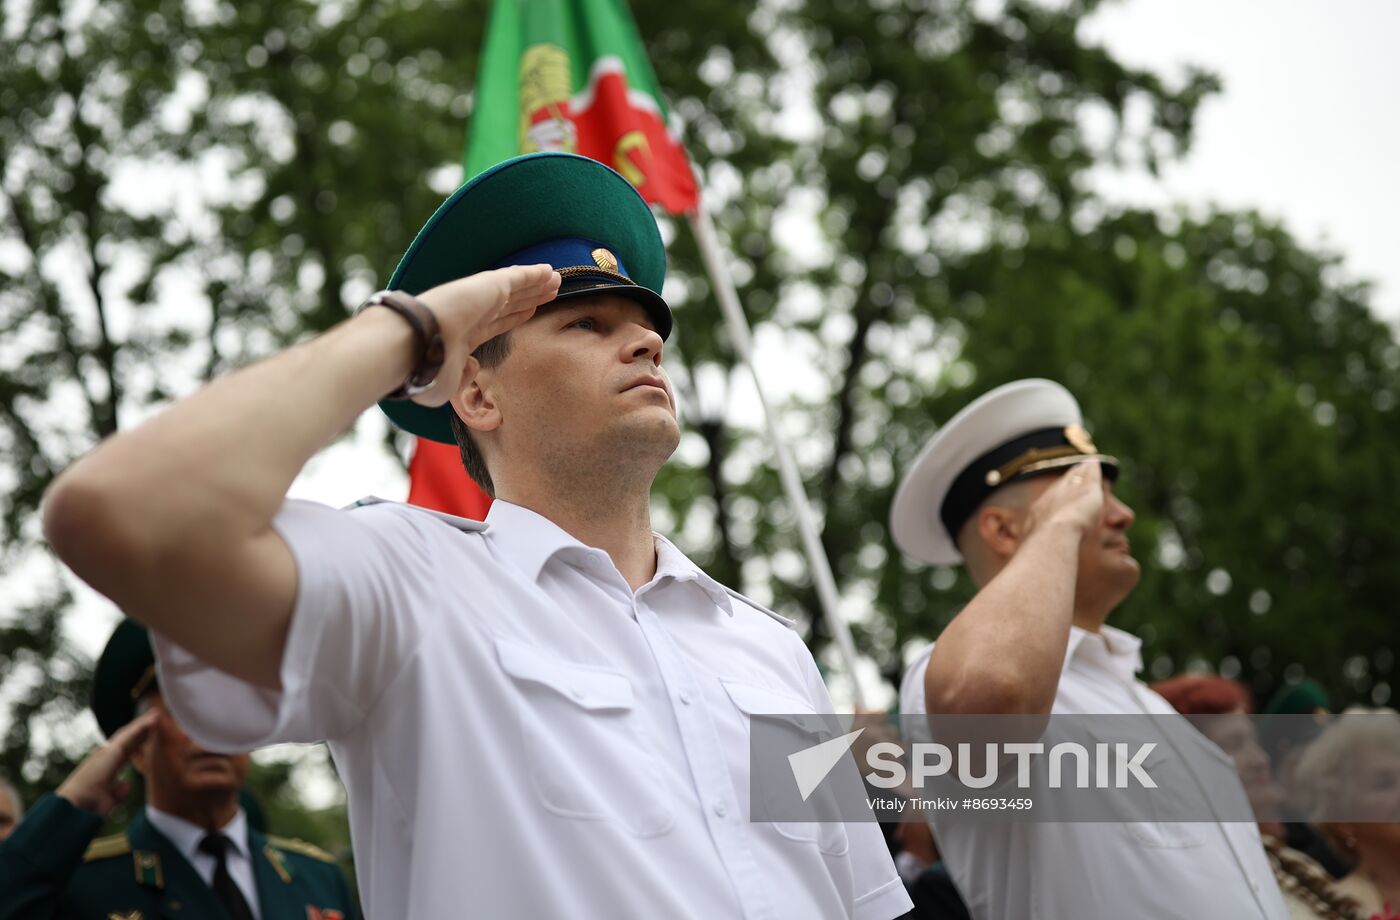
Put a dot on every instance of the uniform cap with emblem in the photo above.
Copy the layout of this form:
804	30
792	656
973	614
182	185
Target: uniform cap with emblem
1022	429
569	211
126	671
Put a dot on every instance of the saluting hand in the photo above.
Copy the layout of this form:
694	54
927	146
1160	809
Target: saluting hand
1076	499
93	784
476	309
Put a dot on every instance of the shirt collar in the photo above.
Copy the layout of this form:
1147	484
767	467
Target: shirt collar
672	563
1110	649
186	836
529	540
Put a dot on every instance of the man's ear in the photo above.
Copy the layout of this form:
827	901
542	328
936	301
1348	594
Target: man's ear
475	403
141	756
1000	529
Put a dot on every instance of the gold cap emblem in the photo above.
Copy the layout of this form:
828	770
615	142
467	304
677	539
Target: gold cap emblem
605	260
1079	439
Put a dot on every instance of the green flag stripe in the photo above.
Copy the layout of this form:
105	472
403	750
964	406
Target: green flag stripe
585	29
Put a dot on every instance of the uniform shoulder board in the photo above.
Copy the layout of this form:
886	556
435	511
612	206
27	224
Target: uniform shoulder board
786	621
292	845
106	847
466	525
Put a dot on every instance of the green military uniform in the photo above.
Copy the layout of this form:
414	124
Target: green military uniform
52	868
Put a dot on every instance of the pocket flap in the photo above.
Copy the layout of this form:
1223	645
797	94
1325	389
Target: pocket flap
589	686
756	700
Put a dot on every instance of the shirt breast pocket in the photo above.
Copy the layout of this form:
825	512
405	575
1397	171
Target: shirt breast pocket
1173	835
754	700
1167	805
587	755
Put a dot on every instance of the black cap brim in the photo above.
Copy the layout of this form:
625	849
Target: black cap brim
652	302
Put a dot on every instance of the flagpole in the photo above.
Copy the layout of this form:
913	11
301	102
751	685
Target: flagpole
827	595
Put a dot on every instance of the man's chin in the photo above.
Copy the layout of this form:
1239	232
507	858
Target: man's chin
214	788
1126	570
1116	576
211	770
1125	576
653	431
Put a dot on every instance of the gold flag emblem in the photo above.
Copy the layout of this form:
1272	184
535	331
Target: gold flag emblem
545	83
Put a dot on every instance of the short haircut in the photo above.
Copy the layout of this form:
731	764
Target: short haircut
488	354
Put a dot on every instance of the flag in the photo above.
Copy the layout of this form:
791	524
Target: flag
568	75
572	75
437	480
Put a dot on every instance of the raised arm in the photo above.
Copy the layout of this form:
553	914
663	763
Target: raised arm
172	520
1004	651
40	858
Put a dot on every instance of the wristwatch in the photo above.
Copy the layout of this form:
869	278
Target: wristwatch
427	339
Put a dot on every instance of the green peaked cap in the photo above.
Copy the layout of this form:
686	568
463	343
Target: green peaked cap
1305	696
520	203
125	672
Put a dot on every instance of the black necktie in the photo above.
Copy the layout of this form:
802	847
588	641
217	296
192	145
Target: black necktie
217	846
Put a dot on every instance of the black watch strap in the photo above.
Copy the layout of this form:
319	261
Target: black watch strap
427	339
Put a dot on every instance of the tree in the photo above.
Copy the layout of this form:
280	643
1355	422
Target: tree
958	245
1251	395
904	187
920	153
185	187
81	97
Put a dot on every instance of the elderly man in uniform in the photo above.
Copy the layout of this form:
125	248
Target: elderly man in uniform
542	715
1014	489
190	853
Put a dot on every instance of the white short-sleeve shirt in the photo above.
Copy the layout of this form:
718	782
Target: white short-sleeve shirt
522	735
1068	871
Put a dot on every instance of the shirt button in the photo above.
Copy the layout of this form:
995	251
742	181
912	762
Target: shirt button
721	809
685	697
576	693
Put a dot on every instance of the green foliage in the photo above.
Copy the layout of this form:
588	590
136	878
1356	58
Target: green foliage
185	187
46	684
904	187
958	246
1251	401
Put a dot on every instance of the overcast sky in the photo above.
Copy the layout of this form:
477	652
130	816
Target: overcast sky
1307	127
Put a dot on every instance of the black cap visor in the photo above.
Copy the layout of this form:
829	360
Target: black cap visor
581	286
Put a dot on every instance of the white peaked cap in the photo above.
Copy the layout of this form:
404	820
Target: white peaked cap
994	419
